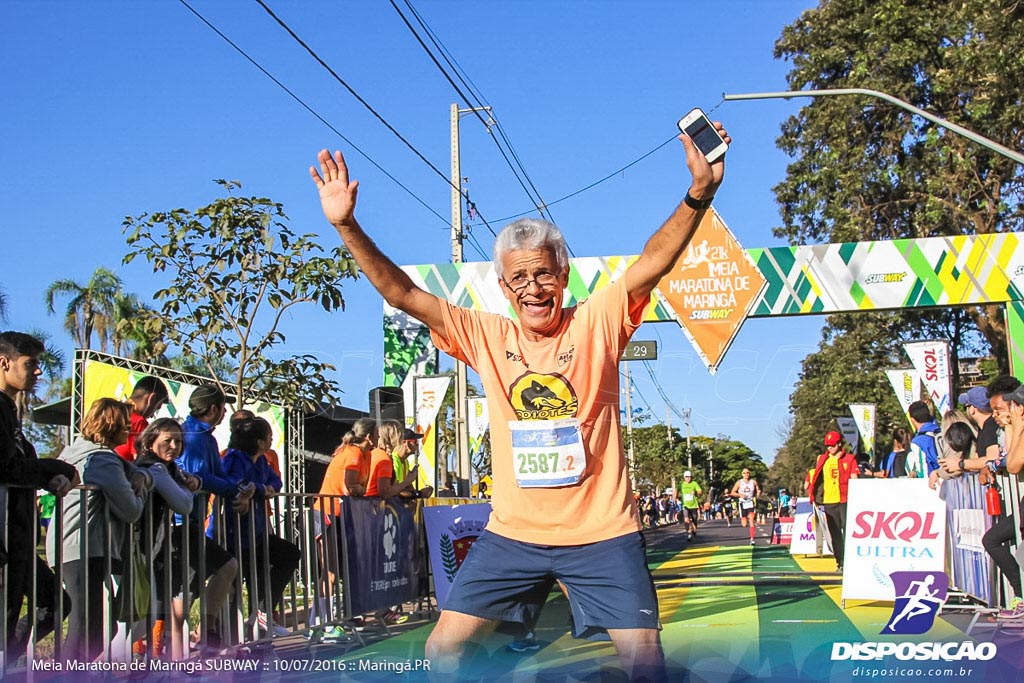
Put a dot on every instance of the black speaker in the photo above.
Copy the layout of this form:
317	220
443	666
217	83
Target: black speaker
387	403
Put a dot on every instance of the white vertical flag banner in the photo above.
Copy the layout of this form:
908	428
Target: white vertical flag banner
931	360
848	428
907	385
478	423
864	416
430	393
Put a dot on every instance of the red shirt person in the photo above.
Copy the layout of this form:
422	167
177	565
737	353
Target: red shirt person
148	396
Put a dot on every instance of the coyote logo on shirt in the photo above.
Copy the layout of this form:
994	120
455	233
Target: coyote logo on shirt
542	397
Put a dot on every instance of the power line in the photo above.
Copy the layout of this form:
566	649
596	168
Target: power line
538	201
595	183
662	394
633	385
362	101
312	111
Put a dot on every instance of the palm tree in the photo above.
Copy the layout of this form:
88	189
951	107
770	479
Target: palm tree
135	335
91	307
3	306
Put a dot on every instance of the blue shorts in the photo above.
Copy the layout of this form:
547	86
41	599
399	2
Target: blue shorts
608	582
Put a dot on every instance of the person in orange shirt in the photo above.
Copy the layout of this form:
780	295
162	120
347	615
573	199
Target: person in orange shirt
381	480
561	502
349	471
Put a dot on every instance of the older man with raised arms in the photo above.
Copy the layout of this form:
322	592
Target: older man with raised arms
561	499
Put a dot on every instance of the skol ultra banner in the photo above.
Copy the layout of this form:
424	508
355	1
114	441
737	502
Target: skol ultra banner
429	393
931	360
848	428
864	417
907	385
891	525
712	288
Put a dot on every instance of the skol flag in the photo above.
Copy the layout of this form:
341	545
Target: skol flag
848	428
430	393
864	416
907	385
931	360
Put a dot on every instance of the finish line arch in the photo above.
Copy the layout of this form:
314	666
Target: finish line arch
819	280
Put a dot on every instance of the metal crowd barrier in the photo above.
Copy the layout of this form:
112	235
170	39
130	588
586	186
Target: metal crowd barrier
314	600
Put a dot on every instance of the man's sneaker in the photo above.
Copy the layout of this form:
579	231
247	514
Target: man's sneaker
275	628
1014	611
528	644
752	541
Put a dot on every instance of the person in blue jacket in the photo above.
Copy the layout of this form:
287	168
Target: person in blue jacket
926	430
245	462
201	458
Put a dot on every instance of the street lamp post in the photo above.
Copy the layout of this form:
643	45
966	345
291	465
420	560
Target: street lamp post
960	130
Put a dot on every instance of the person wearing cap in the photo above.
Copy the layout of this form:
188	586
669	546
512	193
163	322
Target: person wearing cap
550	374
999	538
408	447
688	494
200	456
747	490
148	395
979	413
832	474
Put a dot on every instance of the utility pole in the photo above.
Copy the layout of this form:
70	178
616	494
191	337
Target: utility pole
689	454
668	434
629	428
461	405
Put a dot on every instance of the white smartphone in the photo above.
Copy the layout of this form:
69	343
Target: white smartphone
704	135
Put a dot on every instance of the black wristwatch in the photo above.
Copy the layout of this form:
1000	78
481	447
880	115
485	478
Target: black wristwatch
697	204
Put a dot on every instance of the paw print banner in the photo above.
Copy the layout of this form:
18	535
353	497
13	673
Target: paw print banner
378	554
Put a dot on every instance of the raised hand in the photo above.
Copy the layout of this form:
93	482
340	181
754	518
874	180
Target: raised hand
706	177
337	194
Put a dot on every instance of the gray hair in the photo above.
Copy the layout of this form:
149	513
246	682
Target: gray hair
530	233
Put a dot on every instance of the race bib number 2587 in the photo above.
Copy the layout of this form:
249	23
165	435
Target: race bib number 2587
547	453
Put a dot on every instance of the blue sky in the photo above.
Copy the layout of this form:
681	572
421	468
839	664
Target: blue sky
118	108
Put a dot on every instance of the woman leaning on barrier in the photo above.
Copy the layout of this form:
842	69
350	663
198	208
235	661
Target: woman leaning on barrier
121	498
245	462
158	447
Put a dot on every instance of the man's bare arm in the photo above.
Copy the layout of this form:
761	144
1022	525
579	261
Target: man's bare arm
665	246
338	200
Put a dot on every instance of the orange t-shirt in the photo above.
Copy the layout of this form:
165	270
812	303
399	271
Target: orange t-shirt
574	373
346	457
380	467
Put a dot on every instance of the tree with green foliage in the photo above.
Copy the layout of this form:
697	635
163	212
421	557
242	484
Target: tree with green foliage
731	457
868	170
236	269
90	309
659	456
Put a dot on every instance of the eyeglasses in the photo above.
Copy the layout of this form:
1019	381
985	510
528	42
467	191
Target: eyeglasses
520	282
